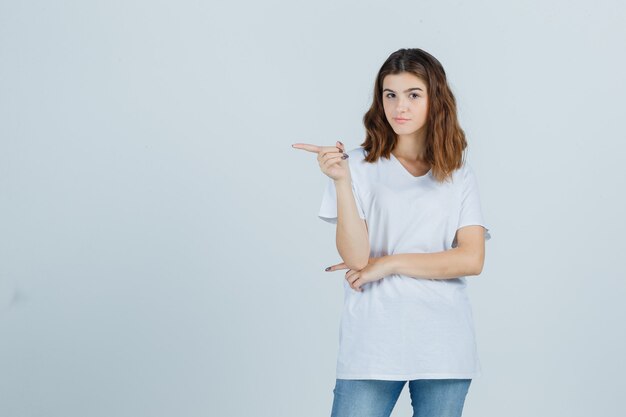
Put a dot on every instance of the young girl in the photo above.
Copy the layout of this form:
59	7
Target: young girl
409	230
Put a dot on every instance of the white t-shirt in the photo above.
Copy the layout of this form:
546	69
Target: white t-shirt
401	327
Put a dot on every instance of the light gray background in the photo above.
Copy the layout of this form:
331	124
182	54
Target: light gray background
160	251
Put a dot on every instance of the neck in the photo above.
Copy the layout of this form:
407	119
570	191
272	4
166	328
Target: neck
410	147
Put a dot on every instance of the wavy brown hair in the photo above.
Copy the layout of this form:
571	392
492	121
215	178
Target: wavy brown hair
445	140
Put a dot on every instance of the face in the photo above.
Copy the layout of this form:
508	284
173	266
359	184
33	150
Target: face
404	96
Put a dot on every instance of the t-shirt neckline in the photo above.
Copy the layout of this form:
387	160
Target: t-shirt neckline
407	173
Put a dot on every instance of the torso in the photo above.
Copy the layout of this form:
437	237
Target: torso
403	327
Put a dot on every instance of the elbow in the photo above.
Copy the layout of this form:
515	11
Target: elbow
477	268
354	258
357	264
474	262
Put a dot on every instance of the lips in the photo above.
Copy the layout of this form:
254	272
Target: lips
401	120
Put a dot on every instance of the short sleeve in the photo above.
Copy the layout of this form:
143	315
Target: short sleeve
328	209
471	212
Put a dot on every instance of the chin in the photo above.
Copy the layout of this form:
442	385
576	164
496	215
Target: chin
404	129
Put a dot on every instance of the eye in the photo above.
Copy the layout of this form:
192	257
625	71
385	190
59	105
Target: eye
414	95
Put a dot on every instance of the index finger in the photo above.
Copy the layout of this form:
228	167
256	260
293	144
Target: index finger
337	266
309	147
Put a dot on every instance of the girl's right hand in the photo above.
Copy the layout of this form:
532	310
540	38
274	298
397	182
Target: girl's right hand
331	159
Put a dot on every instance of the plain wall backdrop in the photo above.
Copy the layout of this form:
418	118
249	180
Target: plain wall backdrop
160	251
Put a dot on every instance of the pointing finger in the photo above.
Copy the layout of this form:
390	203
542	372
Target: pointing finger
307	147
336	267
316	149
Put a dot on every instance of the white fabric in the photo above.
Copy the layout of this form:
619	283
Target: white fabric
401	327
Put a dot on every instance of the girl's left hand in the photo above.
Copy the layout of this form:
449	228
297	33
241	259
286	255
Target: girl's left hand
376	269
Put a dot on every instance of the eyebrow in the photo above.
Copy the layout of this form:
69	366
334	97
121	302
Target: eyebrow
406	91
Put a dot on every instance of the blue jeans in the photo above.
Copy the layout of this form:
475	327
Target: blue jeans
376	398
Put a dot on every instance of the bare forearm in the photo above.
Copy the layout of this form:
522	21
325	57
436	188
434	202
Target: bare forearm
448	264
352	238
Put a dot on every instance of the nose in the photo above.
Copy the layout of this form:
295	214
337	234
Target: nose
402	105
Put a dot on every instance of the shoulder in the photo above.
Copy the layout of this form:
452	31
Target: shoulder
467	179
458	175
465	171
357	153
463	177
356	158
360	170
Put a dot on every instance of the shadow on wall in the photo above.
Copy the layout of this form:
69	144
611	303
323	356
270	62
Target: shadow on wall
9	295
